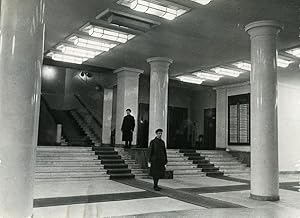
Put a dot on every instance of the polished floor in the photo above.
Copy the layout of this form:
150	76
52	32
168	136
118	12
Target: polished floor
185	197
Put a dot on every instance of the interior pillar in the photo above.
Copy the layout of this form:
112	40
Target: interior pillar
21	55
264	131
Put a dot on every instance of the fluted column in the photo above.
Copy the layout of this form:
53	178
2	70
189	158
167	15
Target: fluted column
264	133
107	115
127	97
159	81
21	54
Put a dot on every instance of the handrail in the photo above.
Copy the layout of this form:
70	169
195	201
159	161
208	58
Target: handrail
88	110
48	109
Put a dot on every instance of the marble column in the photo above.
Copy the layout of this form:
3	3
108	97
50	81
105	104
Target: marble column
107	115
264	133
159	81
127	97
21	54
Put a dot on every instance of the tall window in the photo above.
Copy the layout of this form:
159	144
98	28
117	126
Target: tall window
239	119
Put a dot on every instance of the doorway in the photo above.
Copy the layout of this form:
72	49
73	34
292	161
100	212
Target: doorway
177	127
209	142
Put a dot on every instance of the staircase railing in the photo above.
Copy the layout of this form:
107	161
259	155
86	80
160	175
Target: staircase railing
90	119
88	110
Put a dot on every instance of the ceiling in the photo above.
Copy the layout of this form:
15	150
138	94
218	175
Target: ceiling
205	36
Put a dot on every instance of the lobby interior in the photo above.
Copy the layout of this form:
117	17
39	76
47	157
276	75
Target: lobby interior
221	78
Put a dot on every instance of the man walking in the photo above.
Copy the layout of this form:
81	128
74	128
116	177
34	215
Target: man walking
127	128
157	158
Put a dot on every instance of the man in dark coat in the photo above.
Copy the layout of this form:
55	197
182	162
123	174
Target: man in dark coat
157	158
127	128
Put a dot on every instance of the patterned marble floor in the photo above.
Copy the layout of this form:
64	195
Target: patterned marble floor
184	197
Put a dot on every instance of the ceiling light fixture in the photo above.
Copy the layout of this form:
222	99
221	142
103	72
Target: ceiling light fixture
108	34
66	58
227	72
294	51
243	65
162	8
190	79
78	51
92	44
202	2
284	63
207	76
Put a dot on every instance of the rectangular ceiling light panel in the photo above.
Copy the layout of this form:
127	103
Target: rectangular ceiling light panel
207	76
163	9
92	44
108	34
202	2
227	72
294	51
78	51
282	62
190	79
243	65
66	58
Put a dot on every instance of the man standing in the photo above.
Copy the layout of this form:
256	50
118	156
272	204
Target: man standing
157	158
127	128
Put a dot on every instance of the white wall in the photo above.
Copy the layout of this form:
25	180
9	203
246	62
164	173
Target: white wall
288	118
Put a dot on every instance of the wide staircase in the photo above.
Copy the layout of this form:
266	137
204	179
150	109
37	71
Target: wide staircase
135	168
67	163
201	162
225	162
181	165
113	163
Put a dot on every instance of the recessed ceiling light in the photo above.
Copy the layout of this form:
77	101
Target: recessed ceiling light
294	51
202	2
92	44
243	65
207	76
283	62
227	72
162	8
66	58
77	51
108	34
190	79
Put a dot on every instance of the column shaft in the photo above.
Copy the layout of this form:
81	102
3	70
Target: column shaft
264	134
21	52
127	97
158	105
107	115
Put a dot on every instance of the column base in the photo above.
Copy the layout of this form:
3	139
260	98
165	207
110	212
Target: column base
264	198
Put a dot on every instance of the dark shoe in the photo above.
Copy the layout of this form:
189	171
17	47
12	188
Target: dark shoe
157	188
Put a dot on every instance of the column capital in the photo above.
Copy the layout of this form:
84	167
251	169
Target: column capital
126	71
263	27
160	59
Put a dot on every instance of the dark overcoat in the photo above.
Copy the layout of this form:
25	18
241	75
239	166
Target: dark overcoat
127	127
157	158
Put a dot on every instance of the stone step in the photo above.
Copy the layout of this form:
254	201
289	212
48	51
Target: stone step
235	170
134	166
67	168
68	163
225	163
115	166
95	178
118	170
189	175
188	171
177	158
241	166
54	158
175	155
65	154
64	148
69	174
122	176
110	152
112	161
100	157
181	167
181	163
